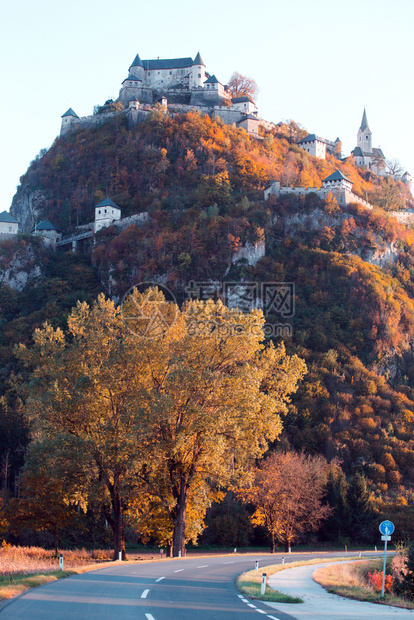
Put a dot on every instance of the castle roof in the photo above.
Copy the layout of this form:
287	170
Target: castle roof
44	225
108	203
137	62
311	137
336	176
212	80
6	217
247	117
132	78
357	152
169	63
377	152
198	60
70	112
241	100
364	122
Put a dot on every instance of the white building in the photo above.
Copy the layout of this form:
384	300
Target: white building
8	225
244	104
106	213
314	145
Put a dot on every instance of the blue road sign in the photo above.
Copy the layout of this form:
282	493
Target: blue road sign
386	528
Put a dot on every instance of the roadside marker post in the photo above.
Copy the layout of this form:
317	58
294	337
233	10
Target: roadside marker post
386	528
61	561
120	556
283	559
263	586
256	566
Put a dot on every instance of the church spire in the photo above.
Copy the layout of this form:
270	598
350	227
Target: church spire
364	122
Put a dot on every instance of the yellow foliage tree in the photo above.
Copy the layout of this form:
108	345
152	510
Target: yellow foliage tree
163	400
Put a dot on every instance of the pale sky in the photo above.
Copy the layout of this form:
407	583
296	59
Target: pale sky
316	62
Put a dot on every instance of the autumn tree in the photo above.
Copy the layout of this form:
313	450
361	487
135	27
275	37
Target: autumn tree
50	492
287	492
243	86
164	401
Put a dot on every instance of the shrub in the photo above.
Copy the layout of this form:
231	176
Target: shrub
375	580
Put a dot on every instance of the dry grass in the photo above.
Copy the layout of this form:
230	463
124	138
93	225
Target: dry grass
27	560
350	580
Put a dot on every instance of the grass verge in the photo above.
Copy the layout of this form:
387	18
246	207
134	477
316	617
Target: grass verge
249	583
350	580
14	585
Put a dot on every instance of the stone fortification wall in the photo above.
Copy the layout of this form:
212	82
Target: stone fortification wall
137	218
343	196
404	217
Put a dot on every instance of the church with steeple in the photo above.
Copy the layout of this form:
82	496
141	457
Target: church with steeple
366	156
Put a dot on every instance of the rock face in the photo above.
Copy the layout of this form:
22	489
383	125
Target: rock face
27	207
18	267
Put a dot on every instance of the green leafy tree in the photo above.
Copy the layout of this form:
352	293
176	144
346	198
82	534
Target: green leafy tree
337	524
360	507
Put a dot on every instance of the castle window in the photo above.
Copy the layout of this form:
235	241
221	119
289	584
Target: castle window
170	72
199	75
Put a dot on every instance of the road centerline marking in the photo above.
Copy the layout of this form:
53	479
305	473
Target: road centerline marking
228	562
260	611
179	570
149	617
250	605
144	594
159	579
203	566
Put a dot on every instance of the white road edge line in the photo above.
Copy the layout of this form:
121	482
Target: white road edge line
203	566
245	600
240	595
260	611
149	617
144	594
159	579
273	617
250	605
179	570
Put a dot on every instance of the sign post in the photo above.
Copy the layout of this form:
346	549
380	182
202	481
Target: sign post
386	528
263	584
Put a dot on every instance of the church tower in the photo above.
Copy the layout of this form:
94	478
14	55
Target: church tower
364	138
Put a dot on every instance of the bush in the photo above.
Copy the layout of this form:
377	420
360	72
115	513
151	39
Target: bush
404	578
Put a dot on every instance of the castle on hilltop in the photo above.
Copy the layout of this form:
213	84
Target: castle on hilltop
178	85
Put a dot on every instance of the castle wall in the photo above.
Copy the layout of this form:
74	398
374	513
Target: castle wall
343	196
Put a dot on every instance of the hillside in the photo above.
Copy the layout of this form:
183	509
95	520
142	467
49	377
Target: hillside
202	184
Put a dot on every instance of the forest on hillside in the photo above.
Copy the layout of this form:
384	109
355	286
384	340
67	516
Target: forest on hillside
353	273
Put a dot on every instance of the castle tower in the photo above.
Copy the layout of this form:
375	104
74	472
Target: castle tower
137	68
198	72
364	138
69	120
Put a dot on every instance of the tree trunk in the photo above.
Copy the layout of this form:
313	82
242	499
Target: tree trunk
118	527
179	521
273	542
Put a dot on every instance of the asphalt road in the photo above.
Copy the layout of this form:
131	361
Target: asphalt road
199	588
